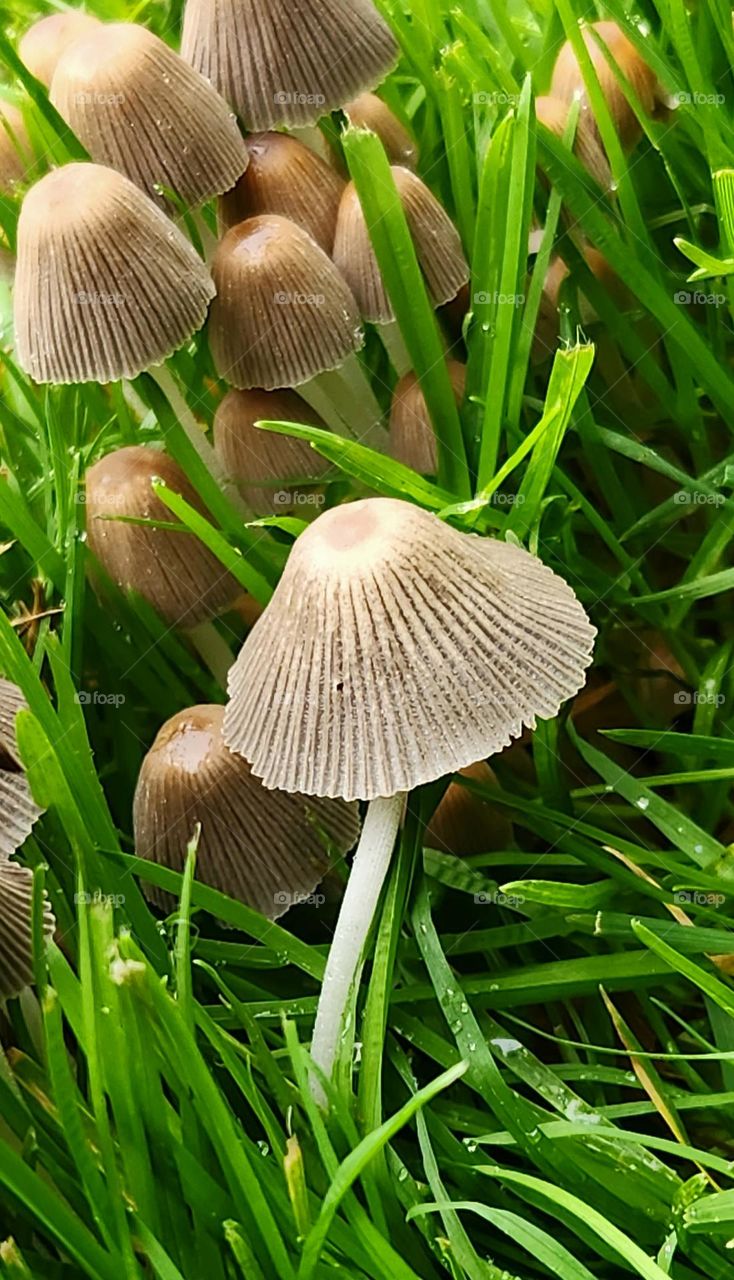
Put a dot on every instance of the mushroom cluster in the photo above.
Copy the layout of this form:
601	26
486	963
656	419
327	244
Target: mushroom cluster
396	649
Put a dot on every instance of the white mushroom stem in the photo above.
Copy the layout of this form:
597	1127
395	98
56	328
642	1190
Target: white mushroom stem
213	650
349	390
392	341
369	868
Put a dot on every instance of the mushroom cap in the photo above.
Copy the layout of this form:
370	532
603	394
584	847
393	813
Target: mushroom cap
464	823
18	811
283	313
553	113
370	112
172	570
140	108
288	178
16	928
45	41
412	438
268	848
287	62
258	460
15	147
106	285
396	650
437	245
568	82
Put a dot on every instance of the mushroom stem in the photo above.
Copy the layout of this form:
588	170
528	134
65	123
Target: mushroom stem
312	137
168	385
392	341
208	239
369	868
213	650
349	392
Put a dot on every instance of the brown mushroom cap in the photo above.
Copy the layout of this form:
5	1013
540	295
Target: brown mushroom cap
106	285
283	312
16	928
18	810
267	848
16	153
139	108
464	823
568	82
287	178
412	438
261	460
396	650
172	570
436	240
280	63
370	112
553	113
45	41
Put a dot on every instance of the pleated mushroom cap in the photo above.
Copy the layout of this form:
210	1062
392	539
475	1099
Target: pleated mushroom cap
464	823
173	571
267	848
16	928
396	650
106	285
141	109
287	62
18	810
370	112
16	153
437	245
412	438
553	113
568	81
45	41
287	178
262	463
283	312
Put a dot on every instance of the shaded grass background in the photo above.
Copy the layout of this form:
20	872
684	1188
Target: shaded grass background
539	1080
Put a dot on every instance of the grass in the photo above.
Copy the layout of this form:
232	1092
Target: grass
539	1081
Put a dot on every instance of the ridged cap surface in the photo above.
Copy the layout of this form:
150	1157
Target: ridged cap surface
16	938
106	286
396	650
412	438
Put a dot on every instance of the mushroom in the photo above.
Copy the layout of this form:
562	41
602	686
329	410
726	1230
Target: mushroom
370	112
284	315
395	650
553	113
106	286
16	152
45	41
173	571
412	438
277	64
261	460
18	811
568	81
16	928
268	848
286	177
141	109
464	823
